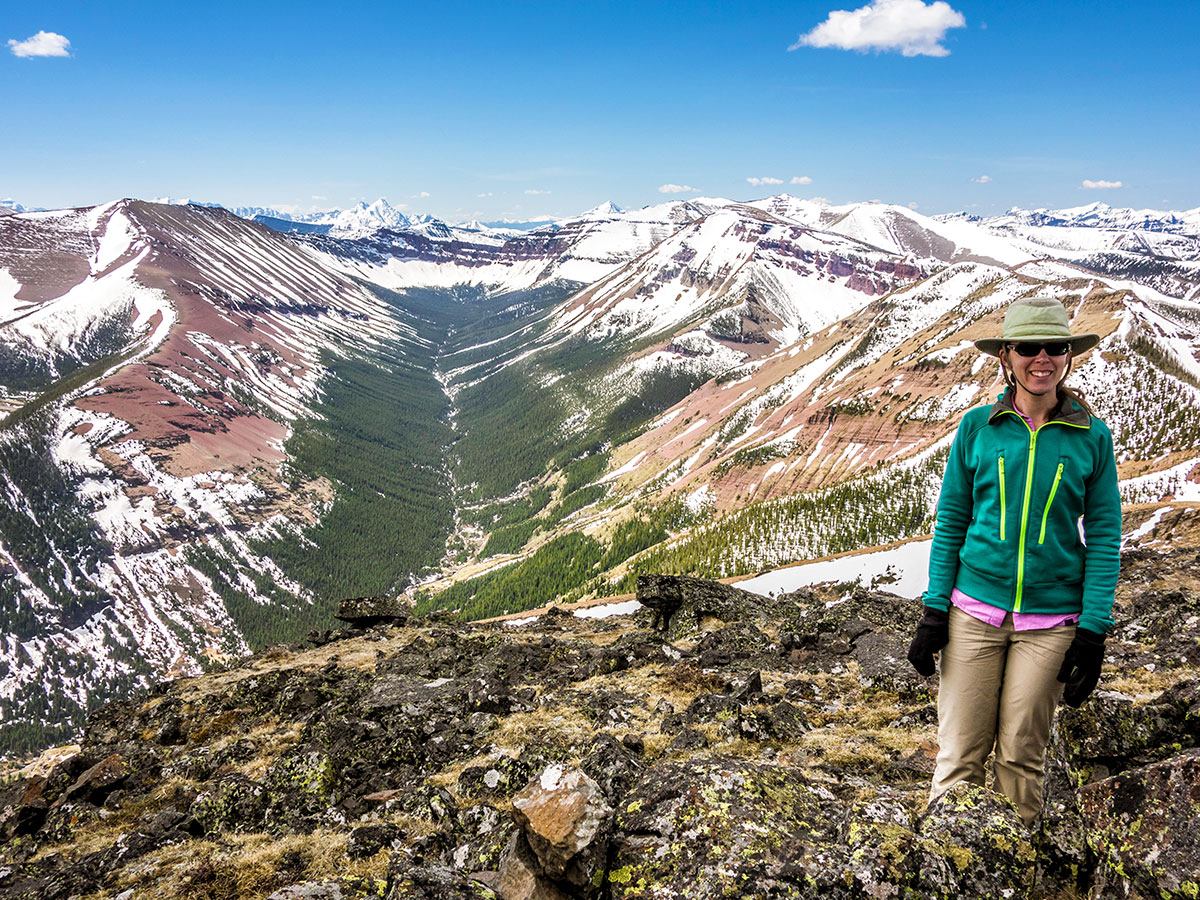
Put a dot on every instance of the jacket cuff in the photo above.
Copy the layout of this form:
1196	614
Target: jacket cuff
1095	624
939	603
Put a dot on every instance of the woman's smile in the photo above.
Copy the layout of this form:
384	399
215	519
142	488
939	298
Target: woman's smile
1038	374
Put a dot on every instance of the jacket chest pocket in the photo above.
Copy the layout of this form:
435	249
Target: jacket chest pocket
1058	475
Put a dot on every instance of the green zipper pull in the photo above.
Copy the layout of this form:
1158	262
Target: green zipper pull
1046	512
1003	499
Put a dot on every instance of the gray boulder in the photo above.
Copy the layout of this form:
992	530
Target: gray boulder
1144	827
683	605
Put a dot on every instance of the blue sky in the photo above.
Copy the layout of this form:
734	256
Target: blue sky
488	110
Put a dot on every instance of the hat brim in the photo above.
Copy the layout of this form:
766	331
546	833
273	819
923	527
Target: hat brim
1080	343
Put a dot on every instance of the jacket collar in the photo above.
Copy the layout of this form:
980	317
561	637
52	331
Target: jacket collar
1068	411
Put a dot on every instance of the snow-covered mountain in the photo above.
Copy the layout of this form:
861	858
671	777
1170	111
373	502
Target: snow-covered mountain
215	429
1101	215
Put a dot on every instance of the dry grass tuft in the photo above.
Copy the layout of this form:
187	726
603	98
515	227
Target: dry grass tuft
555	726
687	676
1143	685
246	867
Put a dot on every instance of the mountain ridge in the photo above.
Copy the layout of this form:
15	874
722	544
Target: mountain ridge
224	424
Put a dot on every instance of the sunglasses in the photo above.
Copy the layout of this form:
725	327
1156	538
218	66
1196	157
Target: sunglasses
1030	349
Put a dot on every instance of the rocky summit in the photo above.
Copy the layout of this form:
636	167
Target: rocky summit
714	744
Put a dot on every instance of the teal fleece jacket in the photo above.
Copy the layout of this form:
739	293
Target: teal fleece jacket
1008	515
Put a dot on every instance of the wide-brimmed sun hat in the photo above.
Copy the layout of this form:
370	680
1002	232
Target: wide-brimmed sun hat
1040	320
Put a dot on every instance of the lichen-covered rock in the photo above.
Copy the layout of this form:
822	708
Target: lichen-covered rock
882	846
883	665
719	828
367	840
782	721
301	781
409	882
1157	627
235	803
1110	732
613	765
738	645
501	776
564	817
94	784
723	709
311	890
482	835
973	844
22	807
1144	827
1064	861
688	739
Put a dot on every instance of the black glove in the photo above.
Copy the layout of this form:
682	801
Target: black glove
1081	666
933	633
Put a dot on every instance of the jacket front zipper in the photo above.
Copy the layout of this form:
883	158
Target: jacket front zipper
1025	517
1046	512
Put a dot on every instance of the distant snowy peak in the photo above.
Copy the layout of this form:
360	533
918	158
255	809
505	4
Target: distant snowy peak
364	219
604	210
1101	215
8	204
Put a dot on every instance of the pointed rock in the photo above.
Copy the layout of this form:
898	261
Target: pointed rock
564	817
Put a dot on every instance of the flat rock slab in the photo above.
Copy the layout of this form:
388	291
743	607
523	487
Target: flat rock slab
408	882
367	611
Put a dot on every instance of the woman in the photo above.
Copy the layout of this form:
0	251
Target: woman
1018	603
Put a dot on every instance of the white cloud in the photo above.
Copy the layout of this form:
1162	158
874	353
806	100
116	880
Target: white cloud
824	201
533	193
319	197
677	189
488	194
800	179
423	194
913	206
910	26
1100	185
44	43
982	179
759	182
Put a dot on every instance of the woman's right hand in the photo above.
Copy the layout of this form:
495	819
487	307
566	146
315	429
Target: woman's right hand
933	633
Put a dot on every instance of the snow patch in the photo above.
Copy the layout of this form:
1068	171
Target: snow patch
902	570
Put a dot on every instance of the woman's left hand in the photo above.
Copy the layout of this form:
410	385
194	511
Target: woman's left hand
1081	666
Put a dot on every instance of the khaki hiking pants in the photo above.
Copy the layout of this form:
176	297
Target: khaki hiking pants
999	688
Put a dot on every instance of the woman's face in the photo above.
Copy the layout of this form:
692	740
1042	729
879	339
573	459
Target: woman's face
1040	374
